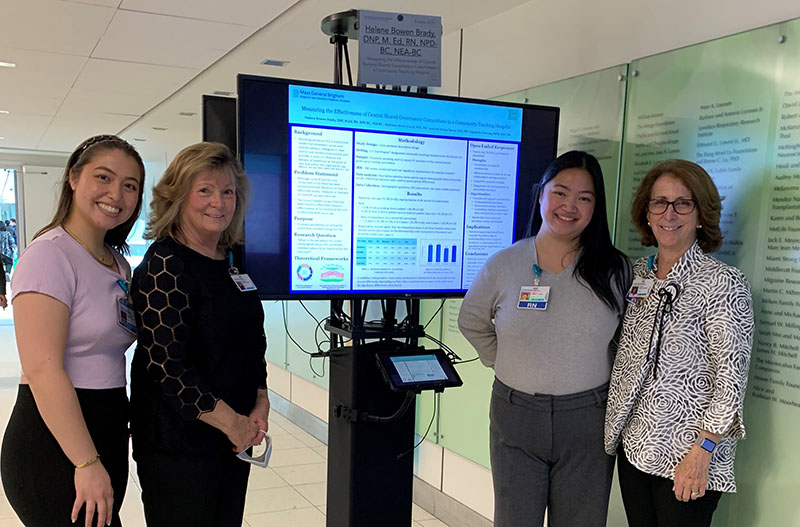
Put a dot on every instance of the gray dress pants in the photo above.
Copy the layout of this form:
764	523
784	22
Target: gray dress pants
547	453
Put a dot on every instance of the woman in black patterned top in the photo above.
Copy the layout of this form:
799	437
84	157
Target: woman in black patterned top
198	378
679	377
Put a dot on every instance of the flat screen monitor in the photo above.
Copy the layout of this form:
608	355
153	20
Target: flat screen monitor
417	370
219	120
361	193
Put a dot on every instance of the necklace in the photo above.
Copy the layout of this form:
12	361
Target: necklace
102	261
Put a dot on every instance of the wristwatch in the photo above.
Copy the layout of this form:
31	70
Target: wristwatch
706	444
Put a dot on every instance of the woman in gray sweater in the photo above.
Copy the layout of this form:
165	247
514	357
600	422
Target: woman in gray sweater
542	313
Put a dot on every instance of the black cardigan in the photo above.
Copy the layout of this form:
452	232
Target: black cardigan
200	339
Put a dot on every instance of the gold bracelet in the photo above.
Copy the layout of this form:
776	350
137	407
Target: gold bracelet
95	459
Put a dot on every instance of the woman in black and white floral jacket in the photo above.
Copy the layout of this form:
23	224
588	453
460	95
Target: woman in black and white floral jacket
675	402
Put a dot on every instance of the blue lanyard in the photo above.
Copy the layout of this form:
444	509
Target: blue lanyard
537	271
125	289
231	269
651	263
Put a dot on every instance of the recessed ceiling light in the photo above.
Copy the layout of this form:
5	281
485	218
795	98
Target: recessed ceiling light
2	138
271	62
7	64
159	128
224	93
139	139
187	114
4	111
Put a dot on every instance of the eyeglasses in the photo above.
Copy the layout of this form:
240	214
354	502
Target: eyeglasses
680	206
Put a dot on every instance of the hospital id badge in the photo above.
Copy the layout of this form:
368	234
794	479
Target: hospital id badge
640	289
533	297
125	317
243	282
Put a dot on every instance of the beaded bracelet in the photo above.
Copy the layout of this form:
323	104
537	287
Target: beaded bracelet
95	459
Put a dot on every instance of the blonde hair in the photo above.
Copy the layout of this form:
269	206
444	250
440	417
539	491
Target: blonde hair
172	190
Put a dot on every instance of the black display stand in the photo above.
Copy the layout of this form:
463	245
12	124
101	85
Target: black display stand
370	427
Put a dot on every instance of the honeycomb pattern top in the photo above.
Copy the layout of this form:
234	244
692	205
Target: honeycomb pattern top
200	340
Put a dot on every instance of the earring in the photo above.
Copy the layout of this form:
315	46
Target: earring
699	226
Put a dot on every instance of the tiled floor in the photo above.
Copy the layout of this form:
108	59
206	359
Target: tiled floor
290	492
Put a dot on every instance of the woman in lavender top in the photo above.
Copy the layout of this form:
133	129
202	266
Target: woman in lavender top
65	450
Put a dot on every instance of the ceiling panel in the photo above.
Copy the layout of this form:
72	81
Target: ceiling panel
107	3
109	102
68	130
254	13
49	25
26	104
170	41
148	57
164	145
22	130
132	77
37	73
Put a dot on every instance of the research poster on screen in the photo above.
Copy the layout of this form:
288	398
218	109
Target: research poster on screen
396	193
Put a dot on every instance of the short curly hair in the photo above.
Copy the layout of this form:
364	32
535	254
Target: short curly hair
704	192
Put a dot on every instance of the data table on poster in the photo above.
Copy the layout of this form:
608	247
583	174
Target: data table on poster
386	251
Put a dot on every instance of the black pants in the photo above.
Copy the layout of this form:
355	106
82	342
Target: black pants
8	263
547	453
650	501
39	479
201	490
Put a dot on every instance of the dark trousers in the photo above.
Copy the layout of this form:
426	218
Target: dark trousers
547	453
8	263
39	479
650	501
201	490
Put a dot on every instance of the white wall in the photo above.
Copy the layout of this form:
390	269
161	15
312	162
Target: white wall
542	41
38	198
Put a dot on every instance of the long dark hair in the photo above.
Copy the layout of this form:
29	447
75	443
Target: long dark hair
603	267
82	156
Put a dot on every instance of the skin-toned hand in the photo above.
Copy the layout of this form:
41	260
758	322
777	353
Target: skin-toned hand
3	302
93	488
260	416
691	475
242	433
